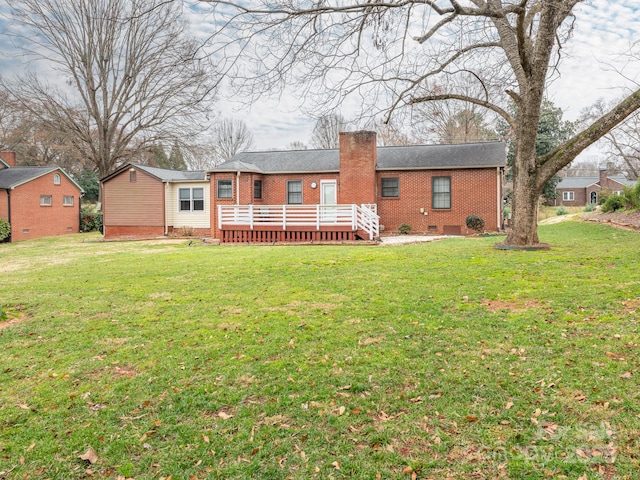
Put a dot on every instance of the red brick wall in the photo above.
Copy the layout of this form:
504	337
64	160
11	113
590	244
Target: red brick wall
473	192
274	191
9	157
580	196
30	220
358	158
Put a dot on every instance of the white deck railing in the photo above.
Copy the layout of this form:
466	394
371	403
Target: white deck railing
353	217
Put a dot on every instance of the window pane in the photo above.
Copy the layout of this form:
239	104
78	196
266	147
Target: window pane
294	192
257	189
45	200
185	194
56	179
441	192
198	199
67	201
390	187
225	189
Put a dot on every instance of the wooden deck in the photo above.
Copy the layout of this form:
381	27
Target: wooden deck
296	223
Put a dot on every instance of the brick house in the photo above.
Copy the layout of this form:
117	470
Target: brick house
38	201
581	191
143	202
356	191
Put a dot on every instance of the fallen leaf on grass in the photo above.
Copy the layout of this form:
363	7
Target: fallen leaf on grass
508	406
224	415
581	453
472	418
90	456
626	375
336	465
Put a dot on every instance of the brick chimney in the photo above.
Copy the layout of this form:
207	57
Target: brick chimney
604	178
9	158
358	158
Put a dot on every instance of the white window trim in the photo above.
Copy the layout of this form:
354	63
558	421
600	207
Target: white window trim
46	200
568	196
56	179
65	203
192	200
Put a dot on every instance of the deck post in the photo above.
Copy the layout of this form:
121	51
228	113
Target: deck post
318	216
251	216
284	217
354	217
219	217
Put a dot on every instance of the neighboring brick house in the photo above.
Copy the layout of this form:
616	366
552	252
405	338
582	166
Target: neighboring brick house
38	201
432	188
144	202
581	191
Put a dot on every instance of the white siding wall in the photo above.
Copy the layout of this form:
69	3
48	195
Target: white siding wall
176	218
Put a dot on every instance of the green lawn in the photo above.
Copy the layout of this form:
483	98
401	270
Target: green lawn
438	360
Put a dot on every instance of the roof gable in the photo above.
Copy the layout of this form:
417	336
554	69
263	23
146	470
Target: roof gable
414	157
162	174
13	177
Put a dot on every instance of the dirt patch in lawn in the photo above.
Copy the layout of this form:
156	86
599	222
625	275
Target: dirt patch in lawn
13	317
511	306
624	220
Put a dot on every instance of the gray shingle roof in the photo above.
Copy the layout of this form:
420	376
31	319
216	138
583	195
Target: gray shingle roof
414	157
577	182
15	176
584	182
173	175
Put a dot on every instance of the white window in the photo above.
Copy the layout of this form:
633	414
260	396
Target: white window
67	201
191	199
567	196
56	179
45	200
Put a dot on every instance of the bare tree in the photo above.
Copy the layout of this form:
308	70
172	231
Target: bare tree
297	145
622	144
387	54
326	133
230	136
387	134
132	76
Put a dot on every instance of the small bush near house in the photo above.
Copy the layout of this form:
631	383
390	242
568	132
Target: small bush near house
613	203
90	221
589	207
631	196
185	232
561	211
5	230
474	222
404	228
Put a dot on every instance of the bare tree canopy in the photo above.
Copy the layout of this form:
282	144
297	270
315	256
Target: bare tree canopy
132	75
230	136
388	55
623	143
326	133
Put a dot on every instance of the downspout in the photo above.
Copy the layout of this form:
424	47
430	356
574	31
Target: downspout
238	187
8	190
164	201
499	195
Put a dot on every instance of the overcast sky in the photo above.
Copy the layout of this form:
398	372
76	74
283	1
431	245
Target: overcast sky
604	30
